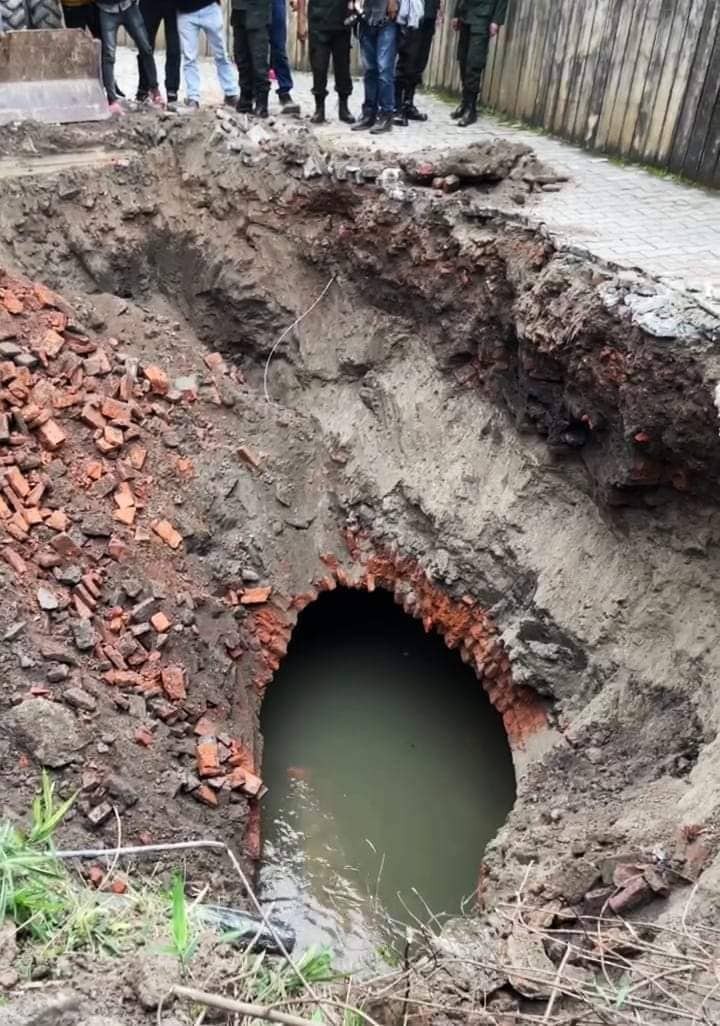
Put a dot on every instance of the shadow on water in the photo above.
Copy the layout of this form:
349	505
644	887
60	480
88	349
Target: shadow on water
389	771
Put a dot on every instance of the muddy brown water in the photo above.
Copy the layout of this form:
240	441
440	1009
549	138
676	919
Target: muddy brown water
389	771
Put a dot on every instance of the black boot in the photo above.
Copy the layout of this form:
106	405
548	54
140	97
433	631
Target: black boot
366	121
411	111
470	115
318	117
344	111
261	107
245	103
287	104
460	109
384	124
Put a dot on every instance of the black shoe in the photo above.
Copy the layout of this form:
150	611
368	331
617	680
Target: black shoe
459	110
231	101
193	104
469	117
172	102
318	117
384	124
287	104
344	111
400	117
245	104
365	122
261	108
413	114
139	97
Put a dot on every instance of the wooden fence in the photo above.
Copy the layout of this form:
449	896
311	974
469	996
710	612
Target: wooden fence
634	78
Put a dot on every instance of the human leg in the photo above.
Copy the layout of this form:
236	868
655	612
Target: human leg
259	41
340	42
319	52
278	47
132	22
212	22
172	52
150	11
386	54
109	24
189	32
368	36
476	61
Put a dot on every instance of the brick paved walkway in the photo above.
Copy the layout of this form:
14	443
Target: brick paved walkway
621	214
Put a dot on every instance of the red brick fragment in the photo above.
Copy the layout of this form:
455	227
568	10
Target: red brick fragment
118	412
118	886
13	559
64	544
208	761
58	520
158	379
165	530
248	456
96	875
117	549
17	482
92	416
125	516
205	727
4	509
94	470
124	498
173	683
51	435
11	303
137	456
161	622
144	736
113	436
207	795
255	596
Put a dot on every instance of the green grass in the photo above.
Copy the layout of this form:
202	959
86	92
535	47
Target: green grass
184	941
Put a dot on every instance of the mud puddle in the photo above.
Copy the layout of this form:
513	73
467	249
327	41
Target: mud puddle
388	771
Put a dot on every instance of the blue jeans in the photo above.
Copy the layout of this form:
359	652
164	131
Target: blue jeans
378	47
210	21
278	47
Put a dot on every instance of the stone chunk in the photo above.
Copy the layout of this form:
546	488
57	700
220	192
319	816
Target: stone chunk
84	634
80	699
47	730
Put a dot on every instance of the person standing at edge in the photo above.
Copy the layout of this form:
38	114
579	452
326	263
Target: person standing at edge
413	54
251	42
476	22
377	31
328	35
125	13
278	55
194	17
156	13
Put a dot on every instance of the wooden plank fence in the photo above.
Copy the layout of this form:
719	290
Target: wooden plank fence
633	78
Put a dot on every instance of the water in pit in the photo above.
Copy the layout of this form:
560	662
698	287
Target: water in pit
389	771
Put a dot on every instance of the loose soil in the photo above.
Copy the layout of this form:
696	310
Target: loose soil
521	444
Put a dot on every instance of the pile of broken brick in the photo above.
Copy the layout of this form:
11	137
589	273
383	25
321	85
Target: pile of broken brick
72	415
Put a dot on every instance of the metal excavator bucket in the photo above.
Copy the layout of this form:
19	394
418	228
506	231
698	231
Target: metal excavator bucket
50	75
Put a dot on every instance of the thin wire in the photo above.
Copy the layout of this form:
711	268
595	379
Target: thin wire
287	331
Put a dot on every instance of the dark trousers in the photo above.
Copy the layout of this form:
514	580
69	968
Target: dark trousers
250	49
413	54
87	16
324	43
155	13
278	47
131	20
472	51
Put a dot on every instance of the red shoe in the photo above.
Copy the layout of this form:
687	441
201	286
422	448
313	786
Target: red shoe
115	109
156	99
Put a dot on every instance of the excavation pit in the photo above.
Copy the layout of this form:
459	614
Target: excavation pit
519	444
